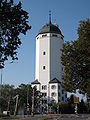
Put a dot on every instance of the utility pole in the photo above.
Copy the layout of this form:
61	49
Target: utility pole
33	103
16	97
28	109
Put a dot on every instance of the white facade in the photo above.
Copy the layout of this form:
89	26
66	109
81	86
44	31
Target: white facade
49	69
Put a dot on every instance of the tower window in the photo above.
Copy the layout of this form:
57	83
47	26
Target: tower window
54	35
44	35
44	67
44	53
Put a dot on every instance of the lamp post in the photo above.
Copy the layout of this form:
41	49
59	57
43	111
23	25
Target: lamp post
1	83
1	67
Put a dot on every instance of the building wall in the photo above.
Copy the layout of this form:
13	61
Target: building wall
55	57
43	60
54	90
42	45
48	55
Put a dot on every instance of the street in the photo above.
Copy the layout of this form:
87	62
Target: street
59	117
52	117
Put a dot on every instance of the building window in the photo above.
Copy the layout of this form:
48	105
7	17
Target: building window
35	87
53	86
44	53
44	35
62	98
43	67
44	94
54	35
62	91
59	87
53	94
37	37
61	37
44	87
66	95
59	94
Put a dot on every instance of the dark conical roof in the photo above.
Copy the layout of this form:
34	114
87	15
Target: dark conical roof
50	28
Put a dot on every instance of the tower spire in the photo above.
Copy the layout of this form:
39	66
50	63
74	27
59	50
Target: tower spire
49	17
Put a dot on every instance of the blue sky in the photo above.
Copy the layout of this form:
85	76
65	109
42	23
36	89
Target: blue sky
66	13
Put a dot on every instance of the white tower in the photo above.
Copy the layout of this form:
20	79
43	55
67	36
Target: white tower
49	69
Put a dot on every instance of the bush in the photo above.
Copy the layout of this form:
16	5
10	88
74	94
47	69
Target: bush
66	108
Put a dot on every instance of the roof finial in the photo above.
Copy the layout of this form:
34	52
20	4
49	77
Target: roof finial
50	17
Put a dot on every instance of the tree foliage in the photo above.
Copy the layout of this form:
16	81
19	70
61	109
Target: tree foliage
13	21
7	93
76	60
24	91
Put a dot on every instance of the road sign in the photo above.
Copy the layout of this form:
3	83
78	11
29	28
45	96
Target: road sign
76	99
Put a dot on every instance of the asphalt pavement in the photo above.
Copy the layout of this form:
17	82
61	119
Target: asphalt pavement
51	117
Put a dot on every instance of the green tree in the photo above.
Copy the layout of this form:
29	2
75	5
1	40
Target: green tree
82	108
24	92
7	94
76	61
13	22
71	99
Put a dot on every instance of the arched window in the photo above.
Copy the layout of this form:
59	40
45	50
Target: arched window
53	86
53	94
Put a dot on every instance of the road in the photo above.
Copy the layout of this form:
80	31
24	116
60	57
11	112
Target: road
52	117
59	117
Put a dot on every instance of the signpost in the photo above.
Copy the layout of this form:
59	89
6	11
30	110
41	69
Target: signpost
76	101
